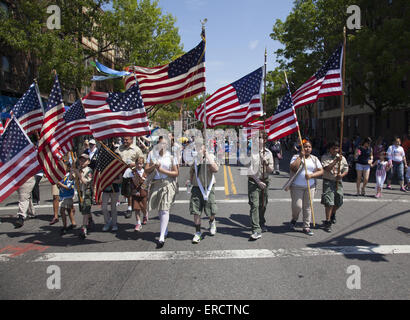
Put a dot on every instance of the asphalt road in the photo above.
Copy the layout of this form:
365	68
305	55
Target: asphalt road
372	235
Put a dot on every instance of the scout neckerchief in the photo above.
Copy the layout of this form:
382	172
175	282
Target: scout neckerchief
205	195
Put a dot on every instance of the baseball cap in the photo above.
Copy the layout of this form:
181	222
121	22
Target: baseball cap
92	141
85	156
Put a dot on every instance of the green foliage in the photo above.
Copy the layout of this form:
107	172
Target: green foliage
377	58
138	28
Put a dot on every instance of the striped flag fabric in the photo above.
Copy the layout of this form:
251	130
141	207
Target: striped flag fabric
255	125
116	114
284	121
75	124
178	80
28	110
108	168
327	81
53	120
235	104
1	127
18	159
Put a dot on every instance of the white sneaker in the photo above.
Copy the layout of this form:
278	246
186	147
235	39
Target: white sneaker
197	237
212	227
255	236
114	228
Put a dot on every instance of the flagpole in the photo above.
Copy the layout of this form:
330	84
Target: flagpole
342	116
205	122
264	126
304	161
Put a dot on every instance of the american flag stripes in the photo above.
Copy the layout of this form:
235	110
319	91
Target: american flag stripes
178	80
107	170
53	120
75	124
256	125
29	111
235	104
116	114
1	127
325	82
284	121
18	159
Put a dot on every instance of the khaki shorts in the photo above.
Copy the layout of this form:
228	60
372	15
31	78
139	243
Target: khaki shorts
330	196
197	203
67	203
54	190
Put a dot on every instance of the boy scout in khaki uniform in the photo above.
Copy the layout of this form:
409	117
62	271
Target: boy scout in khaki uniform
258	185
85	176
197	203
332	196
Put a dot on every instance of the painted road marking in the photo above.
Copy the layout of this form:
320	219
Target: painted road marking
223	254
232	183
245	200
226	182
4	257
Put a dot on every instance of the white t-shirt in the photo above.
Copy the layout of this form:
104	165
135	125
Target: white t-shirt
395	153
300	180
165	163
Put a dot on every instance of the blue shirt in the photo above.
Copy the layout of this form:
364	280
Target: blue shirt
64	193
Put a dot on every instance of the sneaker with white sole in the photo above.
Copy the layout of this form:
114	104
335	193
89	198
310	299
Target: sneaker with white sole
114	228
197	237
138	227
212	227
255	236
106	227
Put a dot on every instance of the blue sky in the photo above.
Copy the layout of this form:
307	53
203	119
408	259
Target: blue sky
237	33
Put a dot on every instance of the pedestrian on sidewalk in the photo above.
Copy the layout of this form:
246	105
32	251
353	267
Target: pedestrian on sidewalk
332	194
85	176
25	207
397	156
382	166
261	166
66	195
163	186
139	194
203	192
364	158
112	194
298	190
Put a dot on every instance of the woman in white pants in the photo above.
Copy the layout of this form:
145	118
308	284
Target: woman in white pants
112	192
299	190
164	167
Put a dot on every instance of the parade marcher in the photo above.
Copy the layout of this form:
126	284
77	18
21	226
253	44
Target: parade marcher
298	190
129	154
85	177
258	185
36	190
56	202
25	207
66	196
397	156
332	194
408	178
202	195
139	194
276	149
364	158
111	193
163	186
92	152
382	166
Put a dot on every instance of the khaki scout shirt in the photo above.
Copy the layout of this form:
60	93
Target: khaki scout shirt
201	174
256	164
86	175
130	154
327	159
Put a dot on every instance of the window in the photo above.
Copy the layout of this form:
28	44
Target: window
5	64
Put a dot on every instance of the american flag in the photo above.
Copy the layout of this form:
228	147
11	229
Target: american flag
18	159
284	121
116	114
325	82
256	125
53	120
75	124
1	127
107	170
29	111
178	80
235	104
